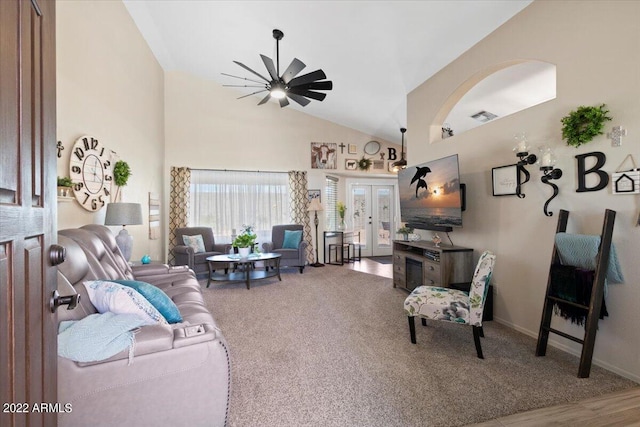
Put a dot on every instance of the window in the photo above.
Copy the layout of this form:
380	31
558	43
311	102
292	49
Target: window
227	200
331	192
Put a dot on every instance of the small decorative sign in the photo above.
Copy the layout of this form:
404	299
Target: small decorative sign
353	149
626	182
351	164
505	180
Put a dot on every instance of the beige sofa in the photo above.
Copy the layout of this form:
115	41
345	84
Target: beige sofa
177	377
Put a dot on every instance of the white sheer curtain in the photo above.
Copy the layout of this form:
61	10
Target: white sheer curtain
227	200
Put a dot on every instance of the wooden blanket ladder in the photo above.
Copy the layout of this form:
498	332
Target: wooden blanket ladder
595	304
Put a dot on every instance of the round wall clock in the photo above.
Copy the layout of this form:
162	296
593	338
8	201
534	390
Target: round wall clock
372	147
90	171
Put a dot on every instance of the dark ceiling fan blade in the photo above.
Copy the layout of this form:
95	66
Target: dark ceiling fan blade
299	99
244	96
324	85
268	62
283	102
292	70
251	71
243	78
307	93
265	99
262	86
308	78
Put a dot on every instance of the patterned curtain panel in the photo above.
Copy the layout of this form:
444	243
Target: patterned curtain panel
299	205
178	204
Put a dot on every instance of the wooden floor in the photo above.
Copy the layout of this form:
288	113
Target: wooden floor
615	409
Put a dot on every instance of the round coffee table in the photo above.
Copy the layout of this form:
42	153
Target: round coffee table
244	267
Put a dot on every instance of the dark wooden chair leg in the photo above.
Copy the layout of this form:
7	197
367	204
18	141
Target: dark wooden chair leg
424	321
301	269
476	339
481	331
412	329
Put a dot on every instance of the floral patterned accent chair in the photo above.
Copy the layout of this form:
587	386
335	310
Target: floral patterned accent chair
451	305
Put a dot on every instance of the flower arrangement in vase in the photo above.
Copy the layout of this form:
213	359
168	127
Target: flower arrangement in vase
342	210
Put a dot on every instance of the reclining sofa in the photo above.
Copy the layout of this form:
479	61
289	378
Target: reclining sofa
179	373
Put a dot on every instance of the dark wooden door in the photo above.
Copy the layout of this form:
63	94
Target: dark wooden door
28	332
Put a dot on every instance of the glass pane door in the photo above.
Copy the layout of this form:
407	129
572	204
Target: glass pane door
372	216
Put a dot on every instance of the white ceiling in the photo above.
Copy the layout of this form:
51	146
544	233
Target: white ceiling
375	52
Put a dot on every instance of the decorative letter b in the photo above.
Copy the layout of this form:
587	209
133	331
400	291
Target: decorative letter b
582	172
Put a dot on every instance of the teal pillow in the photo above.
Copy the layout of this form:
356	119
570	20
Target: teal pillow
291	239
156	298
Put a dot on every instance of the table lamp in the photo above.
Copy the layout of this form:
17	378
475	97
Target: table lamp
314	207
124	214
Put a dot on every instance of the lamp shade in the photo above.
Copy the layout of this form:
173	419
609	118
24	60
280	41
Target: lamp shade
315	206
123	214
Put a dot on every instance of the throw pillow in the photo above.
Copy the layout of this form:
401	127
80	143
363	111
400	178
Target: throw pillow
291	239
109	296
156	297
195	242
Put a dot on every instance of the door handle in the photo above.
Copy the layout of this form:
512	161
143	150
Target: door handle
57	254
71	301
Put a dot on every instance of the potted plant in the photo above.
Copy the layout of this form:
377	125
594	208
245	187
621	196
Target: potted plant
64	186
405	230
342	209
121	174
245	241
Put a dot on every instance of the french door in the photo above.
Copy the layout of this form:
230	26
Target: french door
373	216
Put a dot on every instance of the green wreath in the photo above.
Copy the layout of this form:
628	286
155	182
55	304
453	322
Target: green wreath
582	125
364	163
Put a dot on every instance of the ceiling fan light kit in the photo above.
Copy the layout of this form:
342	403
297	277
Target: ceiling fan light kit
286	86
402	163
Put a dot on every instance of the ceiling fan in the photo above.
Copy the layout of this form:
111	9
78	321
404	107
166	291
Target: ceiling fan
298	89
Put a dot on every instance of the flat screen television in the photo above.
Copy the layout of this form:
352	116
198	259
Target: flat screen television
431	197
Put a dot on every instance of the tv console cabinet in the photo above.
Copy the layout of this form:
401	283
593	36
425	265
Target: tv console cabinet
423	263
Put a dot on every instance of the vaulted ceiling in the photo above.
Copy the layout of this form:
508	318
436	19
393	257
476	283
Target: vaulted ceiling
375	52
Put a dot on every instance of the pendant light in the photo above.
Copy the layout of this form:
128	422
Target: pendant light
402	163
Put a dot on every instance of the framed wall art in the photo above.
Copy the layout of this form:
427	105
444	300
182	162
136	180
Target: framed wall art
154	216
314	194
351	164
352	149
505	180
323	155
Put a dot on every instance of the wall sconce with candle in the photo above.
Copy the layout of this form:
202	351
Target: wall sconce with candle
522	151
550	172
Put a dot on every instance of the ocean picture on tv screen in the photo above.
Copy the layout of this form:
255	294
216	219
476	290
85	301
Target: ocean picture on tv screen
430	194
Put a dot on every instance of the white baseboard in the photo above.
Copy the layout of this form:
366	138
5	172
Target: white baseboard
561	346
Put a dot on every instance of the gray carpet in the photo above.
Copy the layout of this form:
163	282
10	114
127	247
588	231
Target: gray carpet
331	347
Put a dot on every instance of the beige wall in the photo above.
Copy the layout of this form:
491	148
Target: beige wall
110	86
596	47
206	127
